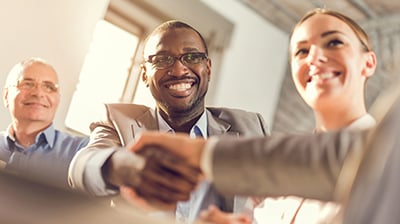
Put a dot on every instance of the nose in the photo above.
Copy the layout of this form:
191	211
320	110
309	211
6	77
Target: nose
316	56
178	68
37	89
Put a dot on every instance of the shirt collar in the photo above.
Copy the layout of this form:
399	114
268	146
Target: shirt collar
48	135
362	123
201	124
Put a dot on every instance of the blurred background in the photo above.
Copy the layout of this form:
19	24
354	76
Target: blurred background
95	45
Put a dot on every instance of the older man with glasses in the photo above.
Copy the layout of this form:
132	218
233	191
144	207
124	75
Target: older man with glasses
31	147
177	70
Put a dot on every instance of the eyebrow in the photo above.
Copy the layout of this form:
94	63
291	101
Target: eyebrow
27	78
324	34
32	79
190	49
186	50
330	32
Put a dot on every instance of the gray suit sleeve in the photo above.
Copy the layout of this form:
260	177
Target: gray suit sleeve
85	169
301	165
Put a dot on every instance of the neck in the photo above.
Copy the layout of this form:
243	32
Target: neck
25	135
182	122
335	120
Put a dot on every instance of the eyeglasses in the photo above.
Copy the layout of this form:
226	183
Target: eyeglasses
29	85
163	61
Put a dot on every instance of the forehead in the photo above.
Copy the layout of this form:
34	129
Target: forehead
317	24
174	41
39	71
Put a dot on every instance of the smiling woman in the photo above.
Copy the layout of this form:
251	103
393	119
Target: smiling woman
331	60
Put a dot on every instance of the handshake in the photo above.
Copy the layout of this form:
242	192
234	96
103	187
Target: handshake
157	171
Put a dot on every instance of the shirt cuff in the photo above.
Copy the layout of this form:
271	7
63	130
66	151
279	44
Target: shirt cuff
93	177
207	158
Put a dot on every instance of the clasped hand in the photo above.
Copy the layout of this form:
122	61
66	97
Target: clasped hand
152	177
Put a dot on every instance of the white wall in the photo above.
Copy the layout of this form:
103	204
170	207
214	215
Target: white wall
60	31
254	65
57	30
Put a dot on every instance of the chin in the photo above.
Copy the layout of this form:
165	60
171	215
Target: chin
182	109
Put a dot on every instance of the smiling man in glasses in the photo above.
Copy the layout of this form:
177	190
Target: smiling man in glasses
177	70
31	147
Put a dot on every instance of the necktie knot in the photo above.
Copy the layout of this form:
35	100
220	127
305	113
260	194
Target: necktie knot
197	132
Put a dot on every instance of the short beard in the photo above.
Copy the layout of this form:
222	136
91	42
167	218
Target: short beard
173	111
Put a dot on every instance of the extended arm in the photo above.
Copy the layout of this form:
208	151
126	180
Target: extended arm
303	165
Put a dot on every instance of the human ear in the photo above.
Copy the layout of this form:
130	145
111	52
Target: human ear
5	95
144	75
370	64
209	69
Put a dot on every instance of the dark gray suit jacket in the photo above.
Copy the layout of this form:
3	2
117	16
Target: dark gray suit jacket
124	122
360	170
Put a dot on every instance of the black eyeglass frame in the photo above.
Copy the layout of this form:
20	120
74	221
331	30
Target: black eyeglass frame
201	57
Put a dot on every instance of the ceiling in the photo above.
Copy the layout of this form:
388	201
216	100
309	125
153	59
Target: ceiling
285	13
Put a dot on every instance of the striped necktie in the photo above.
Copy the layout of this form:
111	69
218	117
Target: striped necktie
184	215
197	132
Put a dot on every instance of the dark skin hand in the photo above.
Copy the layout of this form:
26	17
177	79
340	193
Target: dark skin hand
158	176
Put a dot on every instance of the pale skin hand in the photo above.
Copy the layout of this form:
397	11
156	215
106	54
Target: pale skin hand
216	216
130	195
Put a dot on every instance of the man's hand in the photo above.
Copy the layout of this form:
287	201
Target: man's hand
158	177
179	144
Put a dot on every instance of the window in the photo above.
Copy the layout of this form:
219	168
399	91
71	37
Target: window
105	71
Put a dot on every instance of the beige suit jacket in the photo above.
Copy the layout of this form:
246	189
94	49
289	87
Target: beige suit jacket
122	124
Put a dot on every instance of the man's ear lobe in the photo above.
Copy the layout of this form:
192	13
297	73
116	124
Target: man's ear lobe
370	64
209	69
5	96
143	74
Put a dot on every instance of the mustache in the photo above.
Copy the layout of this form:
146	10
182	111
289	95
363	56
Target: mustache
173	78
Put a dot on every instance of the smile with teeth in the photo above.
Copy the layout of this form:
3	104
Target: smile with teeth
180	86
323	76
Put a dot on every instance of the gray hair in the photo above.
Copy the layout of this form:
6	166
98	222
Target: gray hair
18	69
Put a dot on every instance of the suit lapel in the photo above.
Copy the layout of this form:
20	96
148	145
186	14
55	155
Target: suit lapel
146	122
218	126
